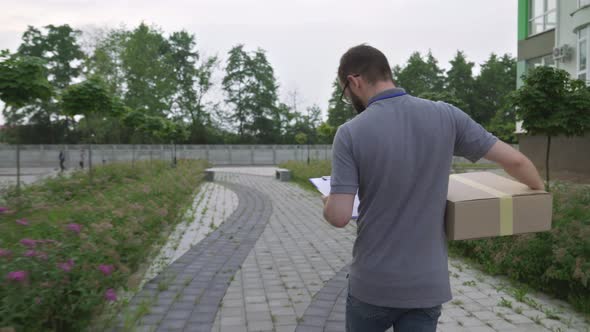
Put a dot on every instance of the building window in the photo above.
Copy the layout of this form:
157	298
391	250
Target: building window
543	15
582	3
546	60
583	51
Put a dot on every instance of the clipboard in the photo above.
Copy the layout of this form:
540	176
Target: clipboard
323	186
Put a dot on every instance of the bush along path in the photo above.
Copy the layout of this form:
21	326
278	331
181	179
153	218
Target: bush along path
69	244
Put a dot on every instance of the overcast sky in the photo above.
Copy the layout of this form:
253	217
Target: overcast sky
304	39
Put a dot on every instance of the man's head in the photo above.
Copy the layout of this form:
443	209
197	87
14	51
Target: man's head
363	71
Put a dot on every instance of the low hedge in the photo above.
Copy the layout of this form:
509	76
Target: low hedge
69	243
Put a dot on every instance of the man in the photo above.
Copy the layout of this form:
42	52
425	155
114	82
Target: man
397	153
62	159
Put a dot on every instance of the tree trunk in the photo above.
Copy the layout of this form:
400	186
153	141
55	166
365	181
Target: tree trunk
547	161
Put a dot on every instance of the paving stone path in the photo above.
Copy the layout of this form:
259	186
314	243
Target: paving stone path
288	273
187	294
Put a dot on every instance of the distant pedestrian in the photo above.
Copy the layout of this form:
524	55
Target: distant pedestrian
82	157
62	159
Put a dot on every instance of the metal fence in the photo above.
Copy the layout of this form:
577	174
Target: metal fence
84	155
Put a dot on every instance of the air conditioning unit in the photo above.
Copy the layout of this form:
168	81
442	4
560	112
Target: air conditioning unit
563	53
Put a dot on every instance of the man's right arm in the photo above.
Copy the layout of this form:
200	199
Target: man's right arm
516	164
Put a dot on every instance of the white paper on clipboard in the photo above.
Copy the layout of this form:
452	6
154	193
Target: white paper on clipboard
323	186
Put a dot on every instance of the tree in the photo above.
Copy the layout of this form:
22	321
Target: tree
148	74
60	49
251	92
460	82
419	76
93	100
446	97
338	111
23	81
192	81
551	104
106	60
497	79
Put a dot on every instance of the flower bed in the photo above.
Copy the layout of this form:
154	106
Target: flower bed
68	244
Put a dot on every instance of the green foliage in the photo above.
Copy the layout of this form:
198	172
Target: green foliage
89	97
192	80
59	48
493	85
550	103
147	70
326	133
338	111
112	220
419	76
446	97
556	262
460	81
23	80
251	92
503	125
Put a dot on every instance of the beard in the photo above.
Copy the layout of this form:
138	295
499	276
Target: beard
357	103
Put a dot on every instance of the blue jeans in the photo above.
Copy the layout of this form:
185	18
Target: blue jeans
364	317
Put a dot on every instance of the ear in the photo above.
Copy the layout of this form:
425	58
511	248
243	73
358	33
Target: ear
355	81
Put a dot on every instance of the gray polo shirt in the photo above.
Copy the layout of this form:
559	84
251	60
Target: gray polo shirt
398	154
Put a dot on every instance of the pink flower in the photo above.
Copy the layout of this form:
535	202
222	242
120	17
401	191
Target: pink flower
28	243
67	266
23	222
3	209
18	276
106	269
38	254
110	295
76	228
5	252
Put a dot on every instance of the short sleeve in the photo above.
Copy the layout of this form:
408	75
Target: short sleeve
344	178
472	141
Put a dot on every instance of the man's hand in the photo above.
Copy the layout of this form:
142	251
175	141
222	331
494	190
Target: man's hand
516	164
338	209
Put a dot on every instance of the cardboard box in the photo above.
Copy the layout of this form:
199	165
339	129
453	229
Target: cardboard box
484	204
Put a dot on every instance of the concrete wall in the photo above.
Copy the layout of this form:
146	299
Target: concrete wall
570	155
48	155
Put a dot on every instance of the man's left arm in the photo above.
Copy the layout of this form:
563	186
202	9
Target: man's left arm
339	204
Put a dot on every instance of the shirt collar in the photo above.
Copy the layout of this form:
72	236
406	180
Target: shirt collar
386	93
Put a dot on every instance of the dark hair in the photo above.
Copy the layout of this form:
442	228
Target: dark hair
366	61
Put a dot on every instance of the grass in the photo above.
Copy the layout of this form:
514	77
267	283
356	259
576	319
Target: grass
76	224
505	303
301	172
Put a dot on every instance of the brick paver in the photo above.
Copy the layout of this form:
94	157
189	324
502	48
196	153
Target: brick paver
293	274
187	294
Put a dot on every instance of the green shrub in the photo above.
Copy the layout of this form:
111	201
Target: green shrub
556	262
67	245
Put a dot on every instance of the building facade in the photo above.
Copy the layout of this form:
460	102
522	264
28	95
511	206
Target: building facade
555	33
